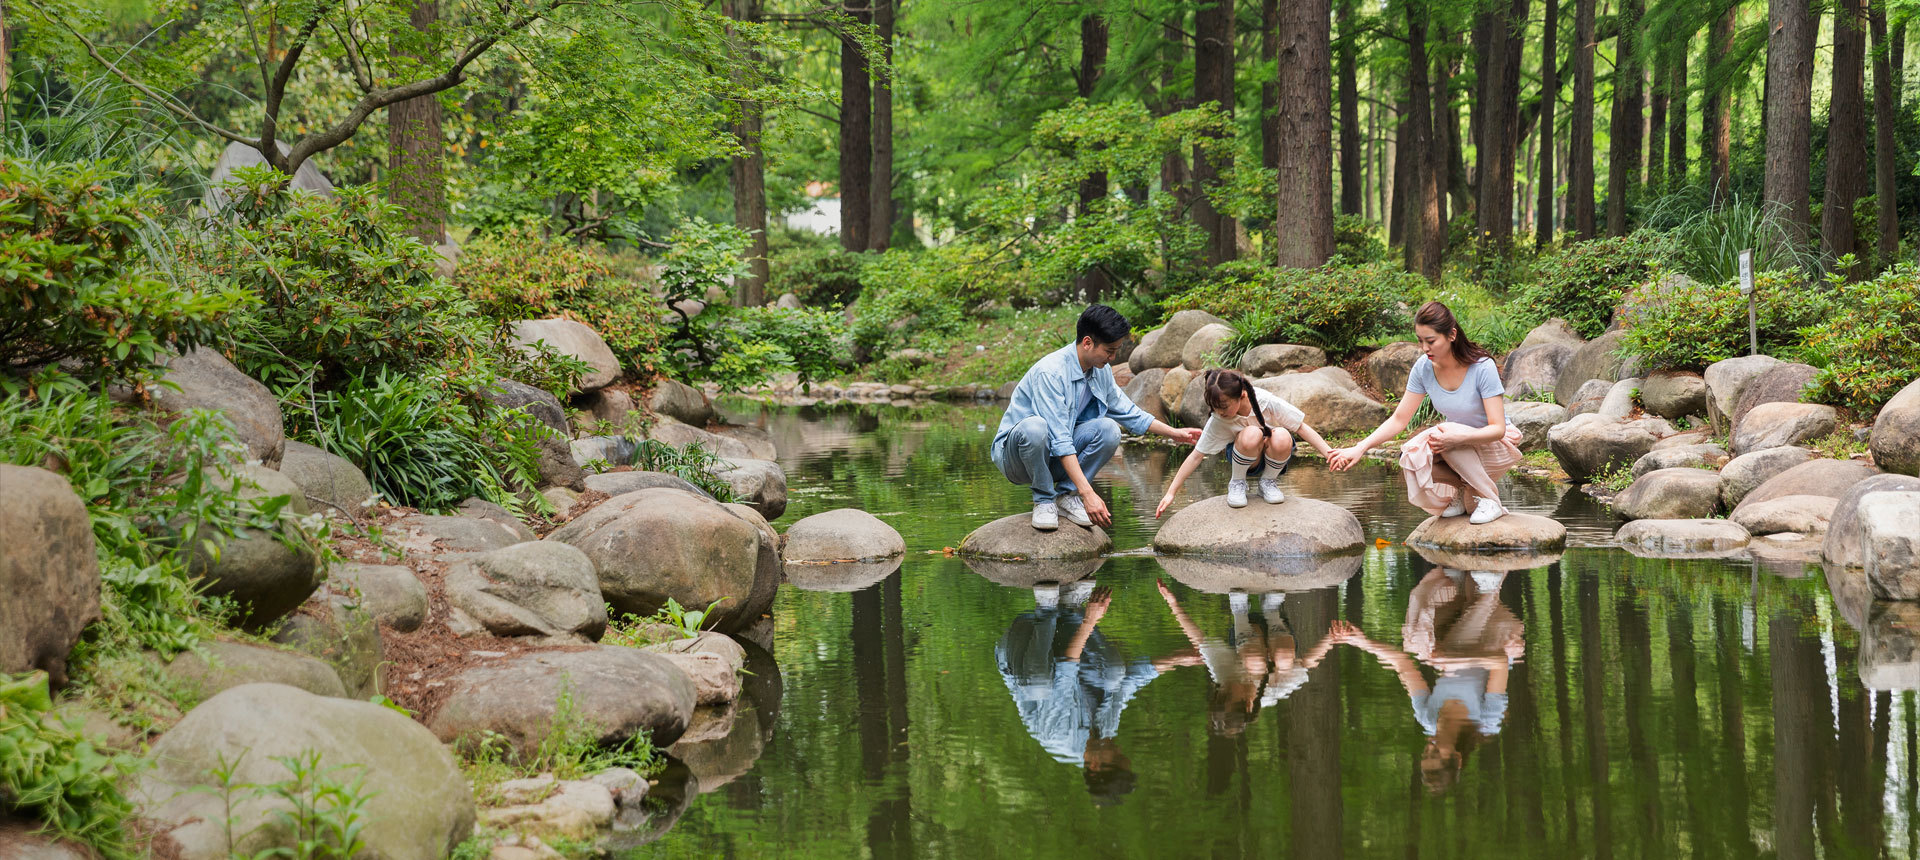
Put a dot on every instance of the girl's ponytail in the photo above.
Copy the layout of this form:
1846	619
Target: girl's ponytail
1226	386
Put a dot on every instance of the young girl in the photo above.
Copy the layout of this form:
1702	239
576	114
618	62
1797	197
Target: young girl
1258	438
1463	456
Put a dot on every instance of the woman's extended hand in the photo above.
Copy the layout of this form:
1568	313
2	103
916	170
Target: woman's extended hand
1164	502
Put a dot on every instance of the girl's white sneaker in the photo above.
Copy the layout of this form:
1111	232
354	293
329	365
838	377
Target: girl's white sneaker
1458	507
1237	493
1270	491
1487	511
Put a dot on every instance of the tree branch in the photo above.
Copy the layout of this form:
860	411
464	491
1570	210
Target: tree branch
140	86
356	59
276	93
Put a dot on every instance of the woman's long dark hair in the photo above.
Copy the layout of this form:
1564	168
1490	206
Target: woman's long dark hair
1438	317
1226	386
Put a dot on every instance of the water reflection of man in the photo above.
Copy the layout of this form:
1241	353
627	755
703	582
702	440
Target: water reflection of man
1256	666
1071	683
1456	624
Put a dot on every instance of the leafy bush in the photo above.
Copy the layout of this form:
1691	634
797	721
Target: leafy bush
1692	325
1335	307
1585	283
51	770
1870	346
1357	240
75	282
820	273
519	274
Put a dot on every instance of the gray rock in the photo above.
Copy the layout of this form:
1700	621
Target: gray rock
1681	538
1618	404
1589	445
1670	494
657	544
1014	537
1535	368
423	807
1782	383
1728	379
1534	420
1830	478
1553	331
788	301
1890	646
1748	471
1329	407
843	534
1273	359
537	588
621	691
446	258
608	406
1193	410
256	568
622	483
392	594
25	840
1896	432
1773	425
574	340
1596	359
1515	536
760	483
677	435
1165	351
1845	544
1296	527
1697	457
48	572
481	509
556	465
1686	440
455	534
1890	533
1173	388
1203	346
345	635
1006	389
757	442
1144	391
215	666
307	177
327	478
541	404
1389	365
612	450
1673	394
204	379
711	661
1590	397
766	568
681	402
1137	358
1797	514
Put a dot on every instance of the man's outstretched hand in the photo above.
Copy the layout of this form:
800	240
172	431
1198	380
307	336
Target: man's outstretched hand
1186	435
1097	509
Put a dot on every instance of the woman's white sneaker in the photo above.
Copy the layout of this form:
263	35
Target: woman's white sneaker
1458	507
1487	511
1270	491
1237	493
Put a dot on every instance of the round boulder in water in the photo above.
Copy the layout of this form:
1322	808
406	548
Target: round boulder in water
1014	538
1296	527
1521	538
1691	538
846	534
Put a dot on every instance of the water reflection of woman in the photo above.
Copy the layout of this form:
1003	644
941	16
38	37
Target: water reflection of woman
1256	665
1456	624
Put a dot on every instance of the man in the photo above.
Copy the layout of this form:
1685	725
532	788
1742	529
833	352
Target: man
1064	424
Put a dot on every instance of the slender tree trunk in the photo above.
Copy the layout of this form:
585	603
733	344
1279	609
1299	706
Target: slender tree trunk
1444	144
1847	177
880	228
749	174
1456	185
1899	41
1425	235
416	153
1397	153
1173	167
1270	89
856	139
1093	187
1657	122
1884	165
1623	162
1549	102
1499	130
1303	228
1213	82
1580	136
1716	121
1677	117
1789	111
1351	179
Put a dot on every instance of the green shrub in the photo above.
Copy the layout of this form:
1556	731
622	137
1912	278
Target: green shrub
1585	283
75	281
911	295
50	770
820	273
520	274
1870	347
1691	325
1357	240
1335	307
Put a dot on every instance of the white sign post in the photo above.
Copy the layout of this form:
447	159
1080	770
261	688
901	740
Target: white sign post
1746	289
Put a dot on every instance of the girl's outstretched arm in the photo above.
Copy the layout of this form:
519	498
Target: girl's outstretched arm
1395	423
1179	477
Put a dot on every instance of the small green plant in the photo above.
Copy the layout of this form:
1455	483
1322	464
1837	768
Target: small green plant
693	463
625	628
570	749
1615	478
1838	445
1335	307
49	770
315	808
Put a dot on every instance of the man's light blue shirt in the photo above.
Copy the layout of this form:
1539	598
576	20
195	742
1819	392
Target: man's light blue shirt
1048	391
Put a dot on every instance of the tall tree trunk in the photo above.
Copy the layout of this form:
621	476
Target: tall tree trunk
1397	208
1444	145
1213	82
1677	116
1847	177
856	138
1623	161
1657	121
1425	235
416	153
1352	181
1173	167
749	174
1580	136
1899	40
1093	187
1270	89
1884	165
1499	131
1716	121
1789	105
1549	99
880	226
1303	228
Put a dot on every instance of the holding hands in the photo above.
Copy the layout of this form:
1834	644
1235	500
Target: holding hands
1342	459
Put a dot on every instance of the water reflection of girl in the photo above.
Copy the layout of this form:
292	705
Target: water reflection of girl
1256	665
1456	624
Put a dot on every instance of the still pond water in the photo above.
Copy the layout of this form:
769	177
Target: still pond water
1652	708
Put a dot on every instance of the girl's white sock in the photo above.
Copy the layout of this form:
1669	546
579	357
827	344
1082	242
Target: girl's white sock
1241	463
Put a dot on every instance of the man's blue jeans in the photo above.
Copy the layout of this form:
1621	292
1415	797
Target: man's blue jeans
1022	456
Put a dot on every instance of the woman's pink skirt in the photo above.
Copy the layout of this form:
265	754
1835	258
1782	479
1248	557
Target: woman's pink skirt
1417	460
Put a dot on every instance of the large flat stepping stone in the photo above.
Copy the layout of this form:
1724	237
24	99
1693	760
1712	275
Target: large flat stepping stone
842	576
1027	574
1296	527
1261	575
1696	538
843	535
1015	538
620	691
1517	538
1681	493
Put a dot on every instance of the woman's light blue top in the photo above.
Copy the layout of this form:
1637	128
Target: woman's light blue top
1463	405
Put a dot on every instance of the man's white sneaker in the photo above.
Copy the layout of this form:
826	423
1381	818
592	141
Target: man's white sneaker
1270	491
1487	511
1075	510
1237	493
1458	507
1046	516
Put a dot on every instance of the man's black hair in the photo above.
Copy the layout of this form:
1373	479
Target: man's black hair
1102	323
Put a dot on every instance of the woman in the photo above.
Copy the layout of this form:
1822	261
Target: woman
1465	455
